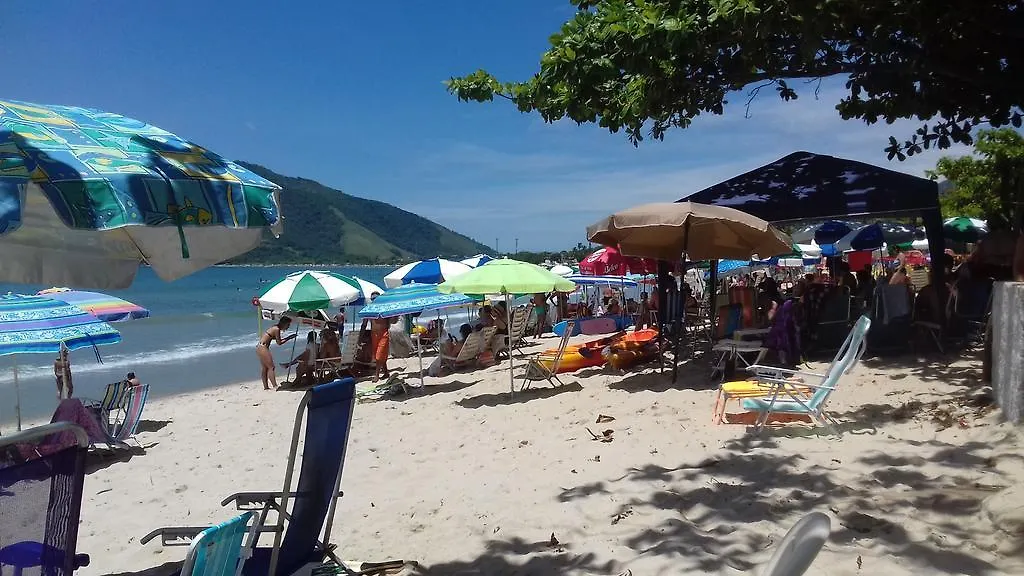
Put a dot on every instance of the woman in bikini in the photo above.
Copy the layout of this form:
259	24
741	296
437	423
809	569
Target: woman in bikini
273	334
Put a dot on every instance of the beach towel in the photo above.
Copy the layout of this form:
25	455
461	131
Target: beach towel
69	410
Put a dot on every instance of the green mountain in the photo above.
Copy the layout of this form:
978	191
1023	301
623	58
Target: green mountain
322	225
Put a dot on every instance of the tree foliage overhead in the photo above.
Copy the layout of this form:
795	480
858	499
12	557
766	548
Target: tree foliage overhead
652	65
988	185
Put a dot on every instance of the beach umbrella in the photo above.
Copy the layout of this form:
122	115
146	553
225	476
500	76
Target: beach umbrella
811	250
103	306
666	230
508	277
86	196
963	229
42	325
609	261
731	268
308	291
412	299
366	289
478	260
433	271
563	270
585	280
831	231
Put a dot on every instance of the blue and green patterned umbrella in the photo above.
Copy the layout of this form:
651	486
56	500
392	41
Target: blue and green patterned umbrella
93	194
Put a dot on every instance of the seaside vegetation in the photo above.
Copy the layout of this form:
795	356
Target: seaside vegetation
326	226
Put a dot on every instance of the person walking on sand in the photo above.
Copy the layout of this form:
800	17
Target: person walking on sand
62	374
273	334
380	337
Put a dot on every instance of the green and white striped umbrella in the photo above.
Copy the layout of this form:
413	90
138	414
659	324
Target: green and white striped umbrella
308	291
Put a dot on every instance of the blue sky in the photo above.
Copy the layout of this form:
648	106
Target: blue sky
350	94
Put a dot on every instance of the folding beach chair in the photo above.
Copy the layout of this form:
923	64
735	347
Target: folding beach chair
221	550
783	394
800	546
517	329
471	349
304	512
544	366
135	403
41	502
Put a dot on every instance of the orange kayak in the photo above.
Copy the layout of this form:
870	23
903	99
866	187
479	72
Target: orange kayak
634	348
594	353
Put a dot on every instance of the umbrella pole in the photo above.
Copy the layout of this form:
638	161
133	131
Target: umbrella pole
419	354
508	325
17	394
294	341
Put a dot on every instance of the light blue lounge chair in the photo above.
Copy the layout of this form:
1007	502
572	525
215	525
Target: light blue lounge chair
221	550
788	395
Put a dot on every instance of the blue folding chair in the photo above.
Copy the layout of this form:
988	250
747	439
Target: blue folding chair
305	513
43	491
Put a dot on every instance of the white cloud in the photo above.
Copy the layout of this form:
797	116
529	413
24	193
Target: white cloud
570	176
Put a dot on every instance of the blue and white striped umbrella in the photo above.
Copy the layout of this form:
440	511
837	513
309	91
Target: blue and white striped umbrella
412	299
433	271
592	280
478	260
40	325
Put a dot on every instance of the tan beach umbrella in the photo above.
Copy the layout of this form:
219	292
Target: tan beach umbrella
667	230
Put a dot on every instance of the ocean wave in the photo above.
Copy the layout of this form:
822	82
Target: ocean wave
140	360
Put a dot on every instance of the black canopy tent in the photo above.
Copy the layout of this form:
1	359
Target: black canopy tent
807	186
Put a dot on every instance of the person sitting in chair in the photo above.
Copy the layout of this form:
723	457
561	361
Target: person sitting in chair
306	360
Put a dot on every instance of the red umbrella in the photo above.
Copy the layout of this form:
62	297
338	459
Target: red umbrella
914	258
609	262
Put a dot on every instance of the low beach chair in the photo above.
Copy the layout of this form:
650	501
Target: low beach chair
41	502
134	404
221	550
304	512
544	365
471	349
784	395
517	329
112	404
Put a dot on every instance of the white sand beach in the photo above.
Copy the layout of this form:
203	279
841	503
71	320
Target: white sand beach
463	479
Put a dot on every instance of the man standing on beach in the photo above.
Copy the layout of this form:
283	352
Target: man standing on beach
339	319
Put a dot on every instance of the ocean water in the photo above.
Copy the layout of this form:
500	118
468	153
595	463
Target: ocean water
202	333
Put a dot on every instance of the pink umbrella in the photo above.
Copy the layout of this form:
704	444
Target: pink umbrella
609	261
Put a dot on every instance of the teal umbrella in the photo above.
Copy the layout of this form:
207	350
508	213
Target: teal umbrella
93	194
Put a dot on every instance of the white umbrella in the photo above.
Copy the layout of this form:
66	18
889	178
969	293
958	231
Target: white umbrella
433	271
562	270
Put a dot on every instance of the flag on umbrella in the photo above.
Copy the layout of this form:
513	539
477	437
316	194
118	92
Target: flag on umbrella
103	306
478	260
433	271
308	291
412	299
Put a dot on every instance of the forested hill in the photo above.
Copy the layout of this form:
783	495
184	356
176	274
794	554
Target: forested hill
322	225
